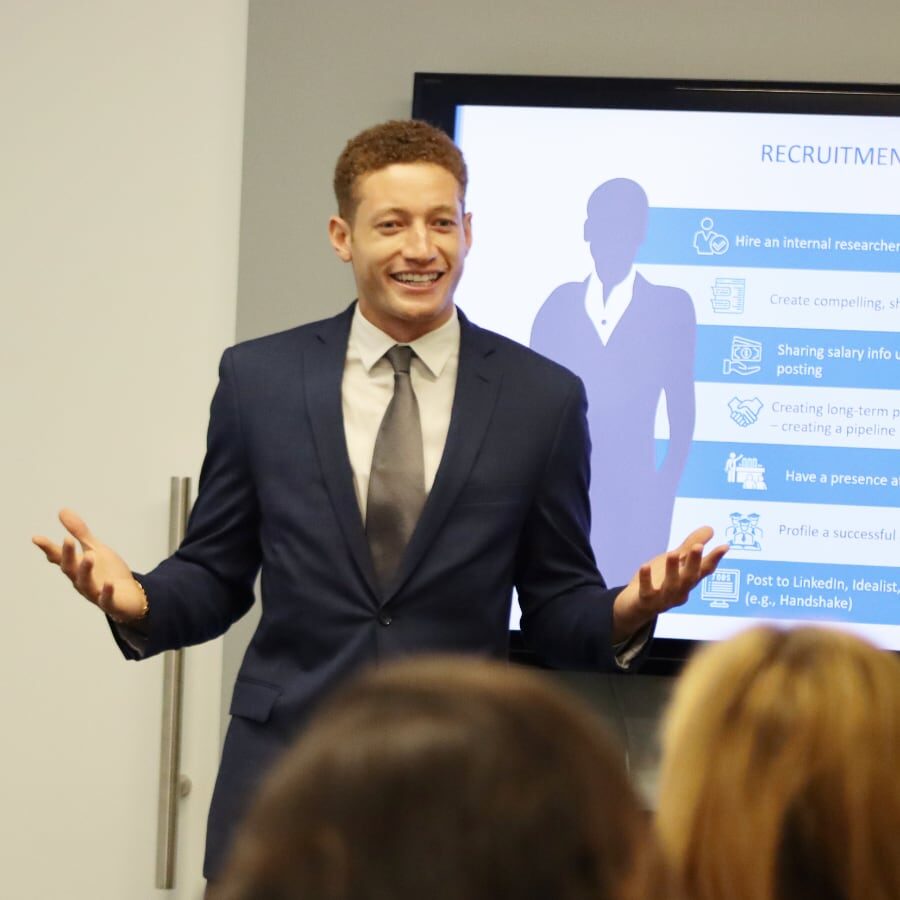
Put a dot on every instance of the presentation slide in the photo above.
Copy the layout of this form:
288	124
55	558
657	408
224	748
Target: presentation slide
726	284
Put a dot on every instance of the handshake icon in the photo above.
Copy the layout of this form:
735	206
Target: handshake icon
745	412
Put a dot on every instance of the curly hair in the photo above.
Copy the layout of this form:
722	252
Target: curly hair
396	141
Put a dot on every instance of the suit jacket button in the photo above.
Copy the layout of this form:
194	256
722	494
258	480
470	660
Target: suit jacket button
385	619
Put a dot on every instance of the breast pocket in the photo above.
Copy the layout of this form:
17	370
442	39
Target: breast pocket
253	700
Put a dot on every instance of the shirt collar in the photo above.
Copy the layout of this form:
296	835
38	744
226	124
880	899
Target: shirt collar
621	292
434	349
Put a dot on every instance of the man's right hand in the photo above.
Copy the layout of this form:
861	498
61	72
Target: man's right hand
98	573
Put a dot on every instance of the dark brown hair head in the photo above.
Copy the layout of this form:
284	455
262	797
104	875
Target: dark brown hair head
397	141
449	779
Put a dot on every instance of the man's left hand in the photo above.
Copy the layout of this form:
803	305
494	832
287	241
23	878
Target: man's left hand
664	583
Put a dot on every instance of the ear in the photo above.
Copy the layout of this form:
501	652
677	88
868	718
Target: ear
467	230
339	234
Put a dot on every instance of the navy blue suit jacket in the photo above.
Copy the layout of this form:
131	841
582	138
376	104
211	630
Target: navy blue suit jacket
509	506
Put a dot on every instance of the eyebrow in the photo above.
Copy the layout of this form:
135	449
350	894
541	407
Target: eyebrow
399	211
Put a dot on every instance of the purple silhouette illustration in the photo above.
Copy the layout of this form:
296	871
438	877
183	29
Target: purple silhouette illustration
632	343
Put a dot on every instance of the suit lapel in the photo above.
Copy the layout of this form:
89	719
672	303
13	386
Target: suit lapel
477	384
323	370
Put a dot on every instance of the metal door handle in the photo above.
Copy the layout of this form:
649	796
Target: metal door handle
172	784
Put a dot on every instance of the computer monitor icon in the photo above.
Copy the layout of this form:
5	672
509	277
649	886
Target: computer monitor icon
721	588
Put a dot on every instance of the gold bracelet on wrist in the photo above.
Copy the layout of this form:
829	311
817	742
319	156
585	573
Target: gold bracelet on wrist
145	611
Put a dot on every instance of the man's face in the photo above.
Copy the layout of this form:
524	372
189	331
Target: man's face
406	243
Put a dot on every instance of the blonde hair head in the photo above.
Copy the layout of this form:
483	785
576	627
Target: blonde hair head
779	777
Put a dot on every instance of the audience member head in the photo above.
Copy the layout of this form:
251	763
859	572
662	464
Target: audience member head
396	141
779	777
445	779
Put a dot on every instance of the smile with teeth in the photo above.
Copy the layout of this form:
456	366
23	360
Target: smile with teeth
416	277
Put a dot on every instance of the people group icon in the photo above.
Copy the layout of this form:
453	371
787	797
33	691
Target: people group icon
632	343
744	532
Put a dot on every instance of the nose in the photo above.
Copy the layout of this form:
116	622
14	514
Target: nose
419	245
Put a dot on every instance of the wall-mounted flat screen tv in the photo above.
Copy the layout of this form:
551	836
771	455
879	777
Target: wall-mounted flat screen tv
720	263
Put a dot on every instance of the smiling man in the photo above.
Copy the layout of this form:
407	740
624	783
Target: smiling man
404	231
394	471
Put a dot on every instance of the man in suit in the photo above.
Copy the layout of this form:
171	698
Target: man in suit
632	343
501	461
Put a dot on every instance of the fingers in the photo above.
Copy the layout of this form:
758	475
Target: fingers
645	580
700	535
78	568
83	581
69	559
696	565
677	572
712	560
673	566
677	567
693	564
52	551
105	600
77	527
680	571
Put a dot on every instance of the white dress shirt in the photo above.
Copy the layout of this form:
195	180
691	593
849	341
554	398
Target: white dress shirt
606	314
368	385
366	390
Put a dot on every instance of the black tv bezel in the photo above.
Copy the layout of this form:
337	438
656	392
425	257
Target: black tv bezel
437	95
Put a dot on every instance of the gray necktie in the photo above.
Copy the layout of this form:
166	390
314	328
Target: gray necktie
397	478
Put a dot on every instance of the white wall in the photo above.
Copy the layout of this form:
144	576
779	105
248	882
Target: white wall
318	73
120	168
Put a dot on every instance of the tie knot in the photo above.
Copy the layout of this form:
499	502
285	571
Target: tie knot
400	358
